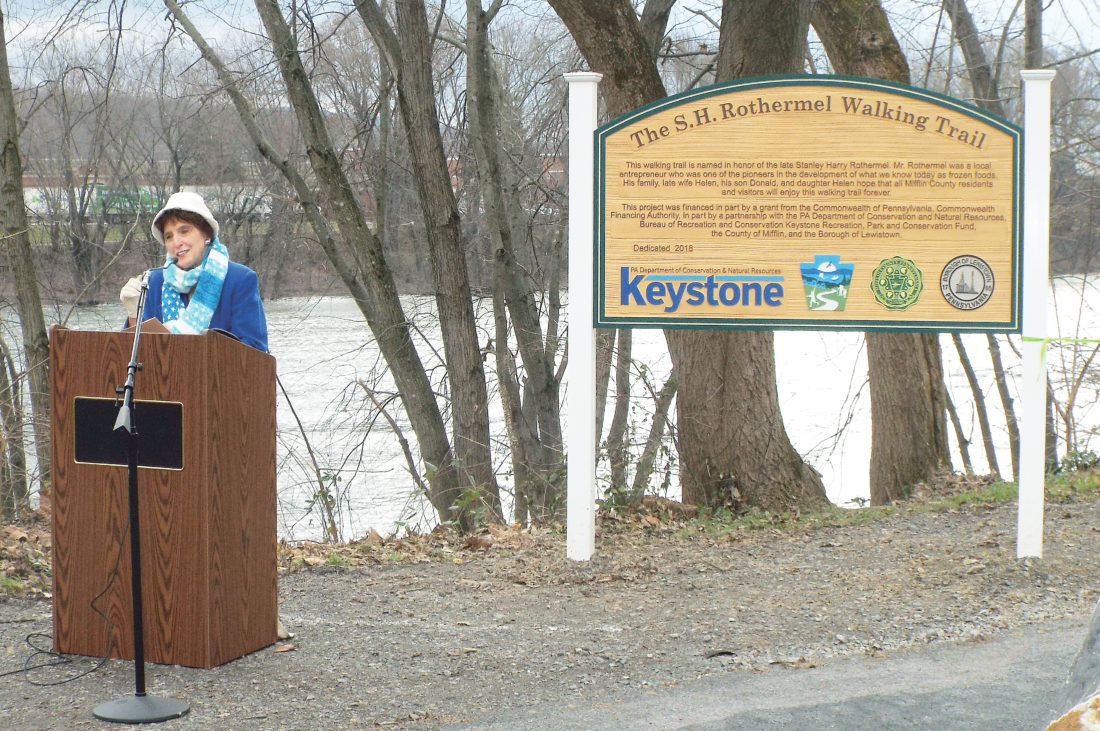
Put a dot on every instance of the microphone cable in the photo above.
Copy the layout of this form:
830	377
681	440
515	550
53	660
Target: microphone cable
59	659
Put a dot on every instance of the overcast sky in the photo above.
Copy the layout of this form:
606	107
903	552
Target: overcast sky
1074	23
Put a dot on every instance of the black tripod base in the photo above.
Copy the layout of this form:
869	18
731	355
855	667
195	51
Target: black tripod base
141	709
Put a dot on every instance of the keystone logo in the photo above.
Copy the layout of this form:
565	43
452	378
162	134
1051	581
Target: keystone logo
826	282
672	290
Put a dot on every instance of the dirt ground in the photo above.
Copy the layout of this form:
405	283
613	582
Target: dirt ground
437	630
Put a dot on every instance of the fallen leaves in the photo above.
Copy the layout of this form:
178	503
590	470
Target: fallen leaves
25	558
14	533
441	544
479	543
798	663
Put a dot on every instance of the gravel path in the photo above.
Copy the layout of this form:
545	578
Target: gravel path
515	624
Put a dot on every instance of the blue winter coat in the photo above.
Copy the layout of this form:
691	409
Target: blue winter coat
239	310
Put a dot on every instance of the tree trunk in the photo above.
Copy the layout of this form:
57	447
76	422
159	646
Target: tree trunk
983	81
908	429
605	343
646	460
79	249
613	43
655	16
979	405
908	398
16	234
1051	450
982	78
908	406
1033	34
367	275
733	445
485	102
454	300
1006	404
859	40
521	437
758	37
964	443
14	497
617	452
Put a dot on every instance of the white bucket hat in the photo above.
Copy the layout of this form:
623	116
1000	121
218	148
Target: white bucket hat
184	200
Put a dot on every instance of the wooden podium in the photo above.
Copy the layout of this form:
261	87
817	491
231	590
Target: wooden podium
208	527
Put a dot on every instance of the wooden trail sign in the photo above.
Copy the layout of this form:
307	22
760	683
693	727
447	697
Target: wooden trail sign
813	202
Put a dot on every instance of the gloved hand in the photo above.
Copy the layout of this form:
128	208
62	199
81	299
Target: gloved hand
129	295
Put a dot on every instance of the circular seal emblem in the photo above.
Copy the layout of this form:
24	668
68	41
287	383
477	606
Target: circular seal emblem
966	282
897	283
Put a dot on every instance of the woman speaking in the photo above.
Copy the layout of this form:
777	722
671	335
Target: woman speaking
198	288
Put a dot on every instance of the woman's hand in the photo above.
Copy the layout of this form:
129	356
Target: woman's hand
131	292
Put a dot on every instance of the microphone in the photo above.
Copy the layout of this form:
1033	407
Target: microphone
145	276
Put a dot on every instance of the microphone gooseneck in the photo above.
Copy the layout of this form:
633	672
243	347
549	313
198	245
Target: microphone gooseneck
145	276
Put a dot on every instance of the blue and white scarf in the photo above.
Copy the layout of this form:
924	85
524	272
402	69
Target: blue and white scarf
207	280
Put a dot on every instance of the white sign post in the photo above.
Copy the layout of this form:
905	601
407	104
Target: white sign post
1033	385
580	542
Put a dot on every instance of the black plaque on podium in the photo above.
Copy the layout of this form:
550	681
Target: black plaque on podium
159	440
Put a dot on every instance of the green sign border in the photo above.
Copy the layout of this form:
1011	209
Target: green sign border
601	320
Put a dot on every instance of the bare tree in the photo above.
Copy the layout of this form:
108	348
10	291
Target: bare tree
983	76
733	445
908	398
352	248
648	458
407	48
15	234
616	442
979	406
14	493
485	99
77	145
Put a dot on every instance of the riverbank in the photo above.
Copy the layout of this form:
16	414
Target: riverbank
299	271
439	629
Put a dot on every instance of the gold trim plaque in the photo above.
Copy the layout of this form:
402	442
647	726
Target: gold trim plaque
159	433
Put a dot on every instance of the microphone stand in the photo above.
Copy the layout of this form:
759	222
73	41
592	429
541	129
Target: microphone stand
140	708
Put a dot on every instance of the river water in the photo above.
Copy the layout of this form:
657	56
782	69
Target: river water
324	351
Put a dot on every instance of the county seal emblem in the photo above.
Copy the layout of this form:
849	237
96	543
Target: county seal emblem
897	283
